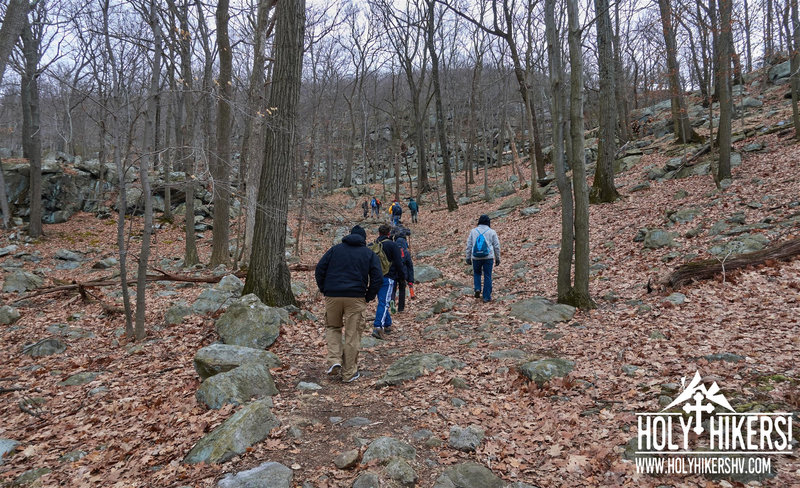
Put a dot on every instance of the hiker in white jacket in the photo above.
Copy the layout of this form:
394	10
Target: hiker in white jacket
483	252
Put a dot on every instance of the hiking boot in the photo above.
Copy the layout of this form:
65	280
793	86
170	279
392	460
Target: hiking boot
334	370
392	307
377	333
477	293
353	378
387	330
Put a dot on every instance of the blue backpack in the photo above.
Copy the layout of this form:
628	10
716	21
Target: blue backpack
480	249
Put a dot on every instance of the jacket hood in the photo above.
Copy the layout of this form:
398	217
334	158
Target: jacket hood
354	240
484	220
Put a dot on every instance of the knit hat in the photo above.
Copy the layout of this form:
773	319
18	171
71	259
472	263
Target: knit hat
357	229
484	220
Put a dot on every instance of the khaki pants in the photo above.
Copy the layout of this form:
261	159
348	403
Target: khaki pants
344	313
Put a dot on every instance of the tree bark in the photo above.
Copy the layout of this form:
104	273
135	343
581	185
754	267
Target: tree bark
220	244
31	133
724	83
795	67
680	116
268	275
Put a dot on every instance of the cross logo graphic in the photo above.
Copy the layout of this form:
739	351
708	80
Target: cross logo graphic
698	408
692	399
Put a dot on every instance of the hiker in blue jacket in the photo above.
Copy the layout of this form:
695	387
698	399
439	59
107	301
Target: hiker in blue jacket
483	252
400	235
383	316
414	207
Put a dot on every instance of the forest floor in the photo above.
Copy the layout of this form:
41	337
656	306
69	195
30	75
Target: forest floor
137	420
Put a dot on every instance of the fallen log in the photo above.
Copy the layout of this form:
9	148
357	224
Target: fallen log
708	268
162	276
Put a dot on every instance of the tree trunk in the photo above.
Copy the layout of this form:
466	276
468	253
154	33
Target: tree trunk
31	135
603	187
268	275
220	245
680	116
725	103
620	85
795	67
437	94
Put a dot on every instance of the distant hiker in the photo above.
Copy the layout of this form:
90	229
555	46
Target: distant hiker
365	208
349	275
374	205
377	207
400	235
483	252
414	207
393	271
397	211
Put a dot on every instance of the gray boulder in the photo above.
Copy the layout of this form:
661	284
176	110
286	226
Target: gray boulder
742	244
528	211
367	479
425	274
176	313
45	347
512	202
20	281
219	358
8	315
347	459
544	370
684	215
66	255
81	378
750	102
402	472
384	448
415	365
250	323
251	424
676	299
231	284
106	263
540	309
442	304
657	238
237	386
5	251
266	475
7	447
466	439
211	300
779	71
469	475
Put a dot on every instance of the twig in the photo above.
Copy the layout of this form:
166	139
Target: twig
13	388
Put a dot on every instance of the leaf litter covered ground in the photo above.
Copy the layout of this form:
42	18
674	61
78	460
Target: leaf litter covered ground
139	417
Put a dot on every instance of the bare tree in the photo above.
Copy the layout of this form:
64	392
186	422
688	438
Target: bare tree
268	275
31	133
221	160
724	88
680	116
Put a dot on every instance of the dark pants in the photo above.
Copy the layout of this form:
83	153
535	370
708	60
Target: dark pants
483	266
413	216
401	289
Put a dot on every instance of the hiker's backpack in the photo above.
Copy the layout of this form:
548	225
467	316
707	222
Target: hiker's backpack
377	202
480	249
377	248
413	206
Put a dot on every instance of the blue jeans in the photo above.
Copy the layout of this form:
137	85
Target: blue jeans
483	266
395	219
383	316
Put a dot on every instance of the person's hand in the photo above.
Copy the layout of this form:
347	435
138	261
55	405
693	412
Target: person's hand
469	261
497	262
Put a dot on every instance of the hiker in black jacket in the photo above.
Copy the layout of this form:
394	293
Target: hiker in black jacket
383	316
400	235
349	275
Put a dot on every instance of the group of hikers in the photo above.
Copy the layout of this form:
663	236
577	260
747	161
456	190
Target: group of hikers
353	273
395	209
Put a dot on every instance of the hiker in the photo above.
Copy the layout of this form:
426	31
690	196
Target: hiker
349	275
483	252
400	236
365	208
397	211
374	205
392	263
414	207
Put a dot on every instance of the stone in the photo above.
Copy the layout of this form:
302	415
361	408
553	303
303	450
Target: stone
249	425
66	255
67	265
502	190
742	244
20	281
657	335
176	313
230	283
540	309
106	263
466	439
528	211
367	479
219	358
753	147
629	369
266	475
724	356
469	475
750	102
347	459
81	378
71	332
307	386
356	422
45	347
639	187
72	456
415	365
782	70
5	251
425	274
442	304
8	315
657	238
30	476
384	448
399	470
499	213
509	354
7	447
512	202
685	215
543	370
250	323
237	386
676	299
